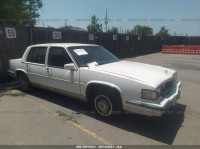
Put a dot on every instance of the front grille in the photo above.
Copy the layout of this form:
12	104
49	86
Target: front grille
167	87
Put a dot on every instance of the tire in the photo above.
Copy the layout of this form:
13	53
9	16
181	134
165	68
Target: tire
106	104
24	82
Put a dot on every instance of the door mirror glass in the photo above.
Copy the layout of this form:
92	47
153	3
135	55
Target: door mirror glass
70	66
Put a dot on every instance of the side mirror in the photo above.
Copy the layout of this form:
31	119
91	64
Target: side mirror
70	66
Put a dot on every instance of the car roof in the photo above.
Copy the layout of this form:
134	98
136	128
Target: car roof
63	44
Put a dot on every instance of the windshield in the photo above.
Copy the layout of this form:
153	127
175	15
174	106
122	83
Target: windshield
88	54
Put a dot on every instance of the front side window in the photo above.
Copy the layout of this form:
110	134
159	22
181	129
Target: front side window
37	55
58	57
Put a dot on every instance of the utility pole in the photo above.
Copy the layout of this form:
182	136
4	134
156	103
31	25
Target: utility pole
106	21
65	31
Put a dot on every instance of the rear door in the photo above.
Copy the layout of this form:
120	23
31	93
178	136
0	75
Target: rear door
35	65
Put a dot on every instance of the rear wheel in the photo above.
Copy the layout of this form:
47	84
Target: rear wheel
24	82
106	104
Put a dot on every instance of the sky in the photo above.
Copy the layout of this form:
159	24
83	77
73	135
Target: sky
181	17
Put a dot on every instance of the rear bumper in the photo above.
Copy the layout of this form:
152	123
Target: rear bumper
155	109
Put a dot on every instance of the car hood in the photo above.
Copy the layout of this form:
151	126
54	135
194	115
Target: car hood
149	74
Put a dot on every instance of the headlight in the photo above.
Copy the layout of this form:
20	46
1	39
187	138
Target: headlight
151	95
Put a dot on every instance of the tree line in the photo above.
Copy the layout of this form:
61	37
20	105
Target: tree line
25	12
137	30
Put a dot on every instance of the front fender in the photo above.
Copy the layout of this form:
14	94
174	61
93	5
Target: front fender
103	83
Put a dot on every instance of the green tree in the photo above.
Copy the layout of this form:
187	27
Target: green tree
33	6
49	26
129	31
67	27
19	12
113	30
94	26
138	29
143	30
163	32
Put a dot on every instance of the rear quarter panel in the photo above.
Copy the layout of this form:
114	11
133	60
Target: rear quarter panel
14	64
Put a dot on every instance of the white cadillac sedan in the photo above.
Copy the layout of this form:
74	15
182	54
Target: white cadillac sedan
92	74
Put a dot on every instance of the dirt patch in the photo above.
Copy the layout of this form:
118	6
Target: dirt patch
12	93
66	116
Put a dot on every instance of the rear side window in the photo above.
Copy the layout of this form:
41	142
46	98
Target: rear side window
37	55
58	57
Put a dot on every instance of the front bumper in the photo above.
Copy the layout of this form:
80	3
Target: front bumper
156	109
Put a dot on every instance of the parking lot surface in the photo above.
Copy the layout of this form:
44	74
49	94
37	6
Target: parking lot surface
45	118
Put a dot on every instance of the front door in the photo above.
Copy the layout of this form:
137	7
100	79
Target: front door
58	77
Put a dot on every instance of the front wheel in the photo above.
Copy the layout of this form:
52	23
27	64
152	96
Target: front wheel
24	82
106	104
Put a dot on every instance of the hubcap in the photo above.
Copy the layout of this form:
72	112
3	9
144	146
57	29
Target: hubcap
103	105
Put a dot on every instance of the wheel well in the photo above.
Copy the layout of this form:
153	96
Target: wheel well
92	87
18	73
